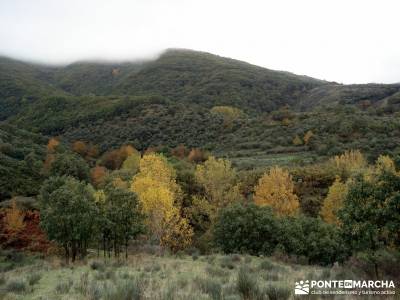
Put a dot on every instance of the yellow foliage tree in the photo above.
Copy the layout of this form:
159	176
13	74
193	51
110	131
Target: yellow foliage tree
385	164
132	162
275	189
160	196
334	201
228	113
297	141
14	218
218	178
177	233
309	134
348	163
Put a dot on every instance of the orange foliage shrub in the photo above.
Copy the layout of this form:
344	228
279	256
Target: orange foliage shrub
114	158
197	155
30	237
97	175
52	145
14	218
79	147
180	151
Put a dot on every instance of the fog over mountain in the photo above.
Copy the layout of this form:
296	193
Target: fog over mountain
343	41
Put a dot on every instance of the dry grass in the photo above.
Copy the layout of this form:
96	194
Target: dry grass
160	277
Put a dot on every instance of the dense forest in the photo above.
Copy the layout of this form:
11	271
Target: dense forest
197	151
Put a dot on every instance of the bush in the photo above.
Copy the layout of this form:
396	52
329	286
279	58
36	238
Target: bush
313	239
34	278
63	287
95	265
246	284
246	228
255	230
227	262
127	290
277	291
387	263
16	286
211	287
216	271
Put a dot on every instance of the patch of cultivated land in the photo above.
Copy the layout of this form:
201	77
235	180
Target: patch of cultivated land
145	276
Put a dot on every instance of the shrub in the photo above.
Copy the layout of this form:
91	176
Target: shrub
211	287
94	291
227	262
34	278
277	291
64	286
216	271
313	239
127	290
266	265
16	286
246	284
246	228
95	265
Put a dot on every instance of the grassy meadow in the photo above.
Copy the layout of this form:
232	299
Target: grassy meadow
151	276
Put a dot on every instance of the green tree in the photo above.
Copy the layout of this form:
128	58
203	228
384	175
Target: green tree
70	164
369	216
246	228
68	214
122	218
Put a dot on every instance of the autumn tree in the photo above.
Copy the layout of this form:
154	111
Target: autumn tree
307	137
229	114
297	141
113	159
80	147
334	201
92	151
218	179
196	155
276	189
348	163
180	151
51	148
97	175
177	232
385	164
160	196
52	145
132	162
14	218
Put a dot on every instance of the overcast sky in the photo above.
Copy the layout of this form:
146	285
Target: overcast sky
348	41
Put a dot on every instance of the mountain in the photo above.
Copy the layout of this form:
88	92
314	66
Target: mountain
186	97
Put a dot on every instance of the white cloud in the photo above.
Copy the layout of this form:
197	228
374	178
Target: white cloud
343	40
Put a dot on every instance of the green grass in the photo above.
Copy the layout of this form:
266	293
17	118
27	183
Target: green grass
146	276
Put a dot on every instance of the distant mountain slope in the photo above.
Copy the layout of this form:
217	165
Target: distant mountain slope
210	80
180	75
347	94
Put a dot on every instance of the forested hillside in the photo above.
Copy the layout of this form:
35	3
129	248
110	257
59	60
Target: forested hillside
254	116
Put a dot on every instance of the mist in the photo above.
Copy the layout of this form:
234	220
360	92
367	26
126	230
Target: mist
344	41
